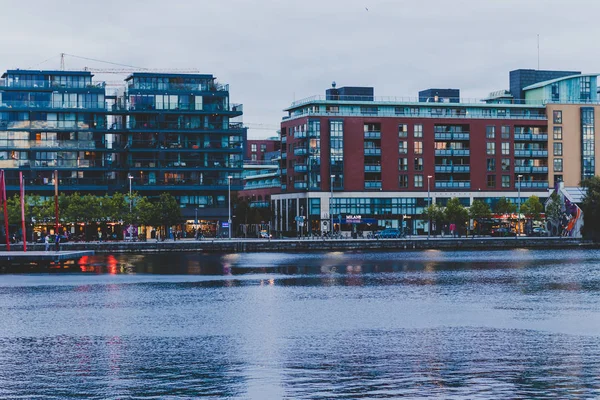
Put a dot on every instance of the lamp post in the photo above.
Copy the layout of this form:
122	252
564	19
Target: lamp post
130	177
229	192
331	204
519	209
429	208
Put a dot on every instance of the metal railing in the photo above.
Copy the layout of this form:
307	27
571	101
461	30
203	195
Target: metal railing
531	153
531	137
300	168
372	184
372	135
372	151
372	168
534	184
452	136
452	152
452	184
452	168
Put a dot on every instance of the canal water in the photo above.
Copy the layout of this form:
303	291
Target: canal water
501	324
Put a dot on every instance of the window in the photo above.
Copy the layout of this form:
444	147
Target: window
506	164
557	116
403	181
491	148
403	147
418	147
263	148
505	181
505	148
491	181
491	164
402	130
490	132
558	165
403	164
418	130
505	132
253	147
332	109
254	157
558	133
418	164
558	149
418	181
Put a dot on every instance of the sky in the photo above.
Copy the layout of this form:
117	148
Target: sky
273	52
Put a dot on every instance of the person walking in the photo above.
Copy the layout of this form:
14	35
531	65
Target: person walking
47	242
57	242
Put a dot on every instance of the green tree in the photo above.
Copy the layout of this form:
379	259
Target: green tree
532	208
554	212
478	211
167	211
435	214
504	206
591	208
456	213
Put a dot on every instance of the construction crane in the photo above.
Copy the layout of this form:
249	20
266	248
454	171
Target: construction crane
129	68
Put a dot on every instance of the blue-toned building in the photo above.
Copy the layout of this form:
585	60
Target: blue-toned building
175	133
521	78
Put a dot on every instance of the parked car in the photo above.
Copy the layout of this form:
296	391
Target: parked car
503	232
539	231
388	233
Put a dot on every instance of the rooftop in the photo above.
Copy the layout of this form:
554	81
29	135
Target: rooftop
551	81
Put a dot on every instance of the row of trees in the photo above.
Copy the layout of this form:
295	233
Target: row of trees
456	213
89	209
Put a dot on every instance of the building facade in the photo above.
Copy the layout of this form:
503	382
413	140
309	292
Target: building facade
385	161
174	133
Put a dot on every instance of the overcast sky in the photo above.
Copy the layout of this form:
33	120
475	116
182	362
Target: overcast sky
274	51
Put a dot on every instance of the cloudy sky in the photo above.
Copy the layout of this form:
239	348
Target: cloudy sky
274	51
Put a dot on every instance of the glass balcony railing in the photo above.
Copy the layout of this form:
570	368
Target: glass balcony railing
529	137
452	152
300	168
531	153
300	185
372	184
452	184
372	168
452	168
372	151
533	185
531	170
300	151
452	136
372	135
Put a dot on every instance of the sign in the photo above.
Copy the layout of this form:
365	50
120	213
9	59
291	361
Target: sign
225	224
300	218
324	215
353	219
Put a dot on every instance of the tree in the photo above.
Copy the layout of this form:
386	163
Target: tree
167	211
554	212
456	213
504	206
532	208
591	208
434	213
479	210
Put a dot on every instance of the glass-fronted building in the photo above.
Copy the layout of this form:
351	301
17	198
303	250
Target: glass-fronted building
175	133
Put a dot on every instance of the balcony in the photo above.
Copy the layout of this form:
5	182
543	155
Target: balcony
531	170
284	139
300	185
283	155
300	168
372	184
373	168
452	168
452	136
531	153
529	137
452	152
301	151
372	135
300	135
452	184
372	151
533	185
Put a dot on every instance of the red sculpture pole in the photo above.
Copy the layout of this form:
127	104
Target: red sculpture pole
56	198
22	187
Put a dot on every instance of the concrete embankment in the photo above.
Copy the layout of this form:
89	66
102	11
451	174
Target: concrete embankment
307	246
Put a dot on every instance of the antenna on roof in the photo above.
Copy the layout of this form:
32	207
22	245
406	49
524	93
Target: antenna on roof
62	61
538	45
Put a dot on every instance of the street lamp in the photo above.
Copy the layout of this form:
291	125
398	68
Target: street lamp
130	177
519	209
229	192
331	204
429	208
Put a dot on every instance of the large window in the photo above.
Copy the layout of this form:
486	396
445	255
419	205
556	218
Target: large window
491	164
418	131
418	181
403	164
491	148
557	116
336	144
588	160
418	163
505	132
490	132
403	181
505	148
403	147
506	164
418	147
558	133
558	165
505	181
491	181
402	130
558	150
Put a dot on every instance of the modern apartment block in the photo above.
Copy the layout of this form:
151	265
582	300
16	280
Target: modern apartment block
384	160
172	133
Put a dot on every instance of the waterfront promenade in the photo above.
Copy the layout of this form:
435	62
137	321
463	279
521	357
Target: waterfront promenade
308	245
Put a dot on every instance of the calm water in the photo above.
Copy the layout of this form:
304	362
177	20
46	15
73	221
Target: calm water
506	324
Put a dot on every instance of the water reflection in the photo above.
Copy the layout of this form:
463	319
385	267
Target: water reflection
509	324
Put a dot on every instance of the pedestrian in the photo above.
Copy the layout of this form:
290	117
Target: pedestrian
57	242
100	236
47	242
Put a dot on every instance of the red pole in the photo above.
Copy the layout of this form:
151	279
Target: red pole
3	200
22	187
56	198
